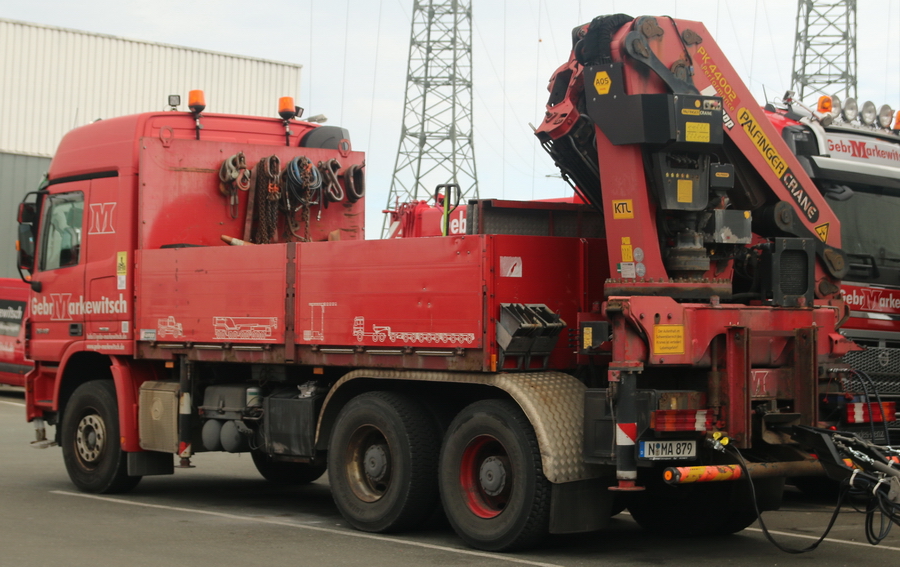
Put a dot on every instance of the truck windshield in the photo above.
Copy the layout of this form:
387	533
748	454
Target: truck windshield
870	228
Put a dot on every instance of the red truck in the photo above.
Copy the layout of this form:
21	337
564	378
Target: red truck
13	301
554	363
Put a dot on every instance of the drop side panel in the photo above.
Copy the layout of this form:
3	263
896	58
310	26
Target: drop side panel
221	294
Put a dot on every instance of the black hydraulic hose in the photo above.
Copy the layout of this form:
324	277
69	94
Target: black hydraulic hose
887	437
842	494
865	388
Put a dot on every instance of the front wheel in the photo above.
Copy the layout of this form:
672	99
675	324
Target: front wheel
491	478
91	449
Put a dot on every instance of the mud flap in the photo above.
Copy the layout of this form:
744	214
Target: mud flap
580	506
148	463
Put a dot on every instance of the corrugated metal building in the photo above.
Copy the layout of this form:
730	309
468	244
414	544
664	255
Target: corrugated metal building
54	79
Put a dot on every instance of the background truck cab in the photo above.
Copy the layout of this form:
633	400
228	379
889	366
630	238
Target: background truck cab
13	308
854	159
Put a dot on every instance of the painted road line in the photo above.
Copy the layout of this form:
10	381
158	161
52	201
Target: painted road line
827	540
492	556
804	536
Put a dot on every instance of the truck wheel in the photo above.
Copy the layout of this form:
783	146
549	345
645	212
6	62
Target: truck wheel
90	440
382	462
492	483
281	472
699	509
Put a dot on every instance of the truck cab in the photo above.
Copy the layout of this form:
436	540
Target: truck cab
854	159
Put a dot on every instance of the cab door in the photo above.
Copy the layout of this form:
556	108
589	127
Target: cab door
107	273
57	317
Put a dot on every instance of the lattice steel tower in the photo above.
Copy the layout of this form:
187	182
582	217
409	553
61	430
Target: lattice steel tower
436	141
825	49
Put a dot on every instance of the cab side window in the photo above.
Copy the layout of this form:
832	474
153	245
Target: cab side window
62	230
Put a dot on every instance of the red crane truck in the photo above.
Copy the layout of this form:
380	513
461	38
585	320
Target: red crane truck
532	375
13	300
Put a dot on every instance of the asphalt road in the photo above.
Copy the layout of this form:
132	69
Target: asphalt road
222	513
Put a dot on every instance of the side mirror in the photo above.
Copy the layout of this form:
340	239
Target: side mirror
25	247
27	213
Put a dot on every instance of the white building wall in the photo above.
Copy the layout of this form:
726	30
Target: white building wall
54	79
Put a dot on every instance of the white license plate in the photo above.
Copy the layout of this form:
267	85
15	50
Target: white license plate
663	450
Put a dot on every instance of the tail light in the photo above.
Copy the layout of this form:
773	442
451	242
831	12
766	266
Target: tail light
859	412
681	420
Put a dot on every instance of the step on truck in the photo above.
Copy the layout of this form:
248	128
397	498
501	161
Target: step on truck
201	282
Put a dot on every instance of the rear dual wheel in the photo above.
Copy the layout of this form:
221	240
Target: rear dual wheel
382	462
702	509
492	484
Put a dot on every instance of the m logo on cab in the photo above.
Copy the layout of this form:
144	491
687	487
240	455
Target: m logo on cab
102	218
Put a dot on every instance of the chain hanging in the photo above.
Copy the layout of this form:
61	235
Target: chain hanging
268	195
234	175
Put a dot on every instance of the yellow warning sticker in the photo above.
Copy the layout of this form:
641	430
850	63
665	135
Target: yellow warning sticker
602	82
668	339
627	253
622	209
696	132
822	231
685	191
587	338
121	263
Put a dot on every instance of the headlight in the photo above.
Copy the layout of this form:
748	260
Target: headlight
835	106
868	114
885	114
851	110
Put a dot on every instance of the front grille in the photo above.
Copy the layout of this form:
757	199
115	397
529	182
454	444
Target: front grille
794	275
881	364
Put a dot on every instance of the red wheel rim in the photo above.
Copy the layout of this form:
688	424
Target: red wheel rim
485	476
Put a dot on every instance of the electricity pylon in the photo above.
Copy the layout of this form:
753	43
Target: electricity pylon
436	140
825	49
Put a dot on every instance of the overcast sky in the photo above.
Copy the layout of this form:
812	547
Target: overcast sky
517	44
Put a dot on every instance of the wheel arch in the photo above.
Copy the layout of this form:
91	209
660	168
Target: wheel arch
127	375
76	369
553	402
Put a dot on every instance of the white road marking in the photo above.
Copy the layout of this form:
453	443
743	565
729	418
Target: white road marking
12	403
804	536
493	556
827	540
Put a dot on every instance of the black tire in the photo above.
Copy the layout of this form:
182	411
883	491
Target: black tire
492	482
702	509
286	473
382	462
90	440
